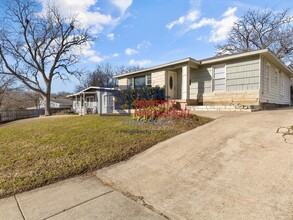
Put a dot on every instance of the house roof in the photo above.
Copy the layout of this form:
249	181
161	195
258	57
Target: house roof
170	64
63	101
96	88
267	53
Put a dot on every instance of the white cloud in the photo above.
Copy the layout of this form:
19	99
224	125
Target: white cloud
144	44
86	49
190	17
123	5
111	36
130	51
116	55
88	52
96	59
221	27
88	13
141	63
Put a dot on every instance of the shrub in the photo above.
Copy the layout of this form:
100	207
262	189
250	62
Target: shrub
150	111
125	98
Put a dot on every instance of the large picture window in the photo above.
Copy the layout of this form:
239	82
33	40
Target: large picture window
219	78
140	82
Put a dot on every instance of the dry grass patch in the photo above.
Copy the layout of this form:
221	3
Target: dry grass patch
39	151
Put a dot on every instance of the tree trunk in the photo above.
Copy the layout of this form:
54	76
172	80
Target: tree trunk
47	98
47	106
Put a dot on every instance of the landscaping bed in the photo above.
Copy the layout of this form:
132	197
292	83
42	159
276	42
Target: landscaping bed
36	152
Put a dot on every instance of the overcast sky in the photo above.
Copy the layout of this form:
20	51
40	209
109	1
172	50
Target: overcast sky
152	32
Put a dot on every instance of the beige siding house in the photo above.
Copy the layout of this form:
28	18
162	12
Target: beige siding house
252	79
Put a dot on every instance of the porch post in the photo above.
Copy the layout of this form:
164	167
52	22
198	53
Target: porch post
80	104
84	104
185	82
75	106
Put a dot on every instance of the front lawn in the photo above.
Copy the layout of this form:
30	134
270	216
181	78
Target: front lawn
39	151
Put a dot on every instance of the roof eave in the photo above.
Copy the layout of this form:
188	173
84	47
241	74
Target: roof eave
91	87
285	68
230	57
189	59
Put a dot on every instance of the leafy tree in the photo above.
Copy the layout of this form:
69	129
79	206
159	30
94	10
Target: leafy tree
37	47
260	29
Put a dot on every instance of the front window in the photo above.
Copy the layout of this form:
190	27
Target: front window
140	82
219	78
148	80
130	82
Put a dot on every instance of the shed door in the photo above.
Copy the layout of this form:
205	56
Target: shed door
108	103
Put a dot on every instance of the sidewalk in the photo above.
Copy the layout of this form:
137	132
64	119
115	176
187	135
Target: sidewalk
76	198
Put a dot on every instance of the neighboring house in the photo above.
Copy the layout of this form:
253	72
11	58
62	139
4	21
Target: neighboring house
254	79
94	100
57	103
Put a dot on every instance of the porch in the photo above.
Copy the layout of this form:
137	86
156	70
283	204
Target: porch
177	84
94	100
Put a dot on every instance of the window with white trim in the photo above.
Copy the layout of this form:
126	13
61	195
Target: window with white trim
130	82
219	81
148	80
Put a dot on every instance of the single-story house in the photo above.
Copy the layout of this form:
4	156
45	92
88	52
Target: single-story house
255	79
56	103
94	100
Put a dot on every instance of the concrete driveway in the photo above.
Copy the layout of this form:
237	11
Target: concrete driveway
236	167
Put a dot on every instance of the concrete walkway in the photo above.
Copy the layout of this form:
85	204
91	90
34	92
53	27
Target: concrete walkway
76	198
239	166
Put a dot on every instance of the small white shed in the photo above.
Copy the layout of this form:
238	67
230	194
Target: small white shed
94	100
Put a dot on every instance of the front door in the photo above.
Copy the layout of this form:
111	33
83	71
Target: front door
171	84
108	103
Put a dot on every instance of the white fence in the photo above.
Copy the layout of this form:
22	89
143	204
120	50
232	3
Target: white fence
11	115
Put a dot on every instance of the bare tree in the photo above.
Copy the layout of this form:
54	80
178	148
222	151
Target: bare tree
5	85
33	97
103	76
38	47
260	29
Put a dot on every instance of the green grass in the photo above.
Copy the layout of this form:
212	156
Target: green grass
39	151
